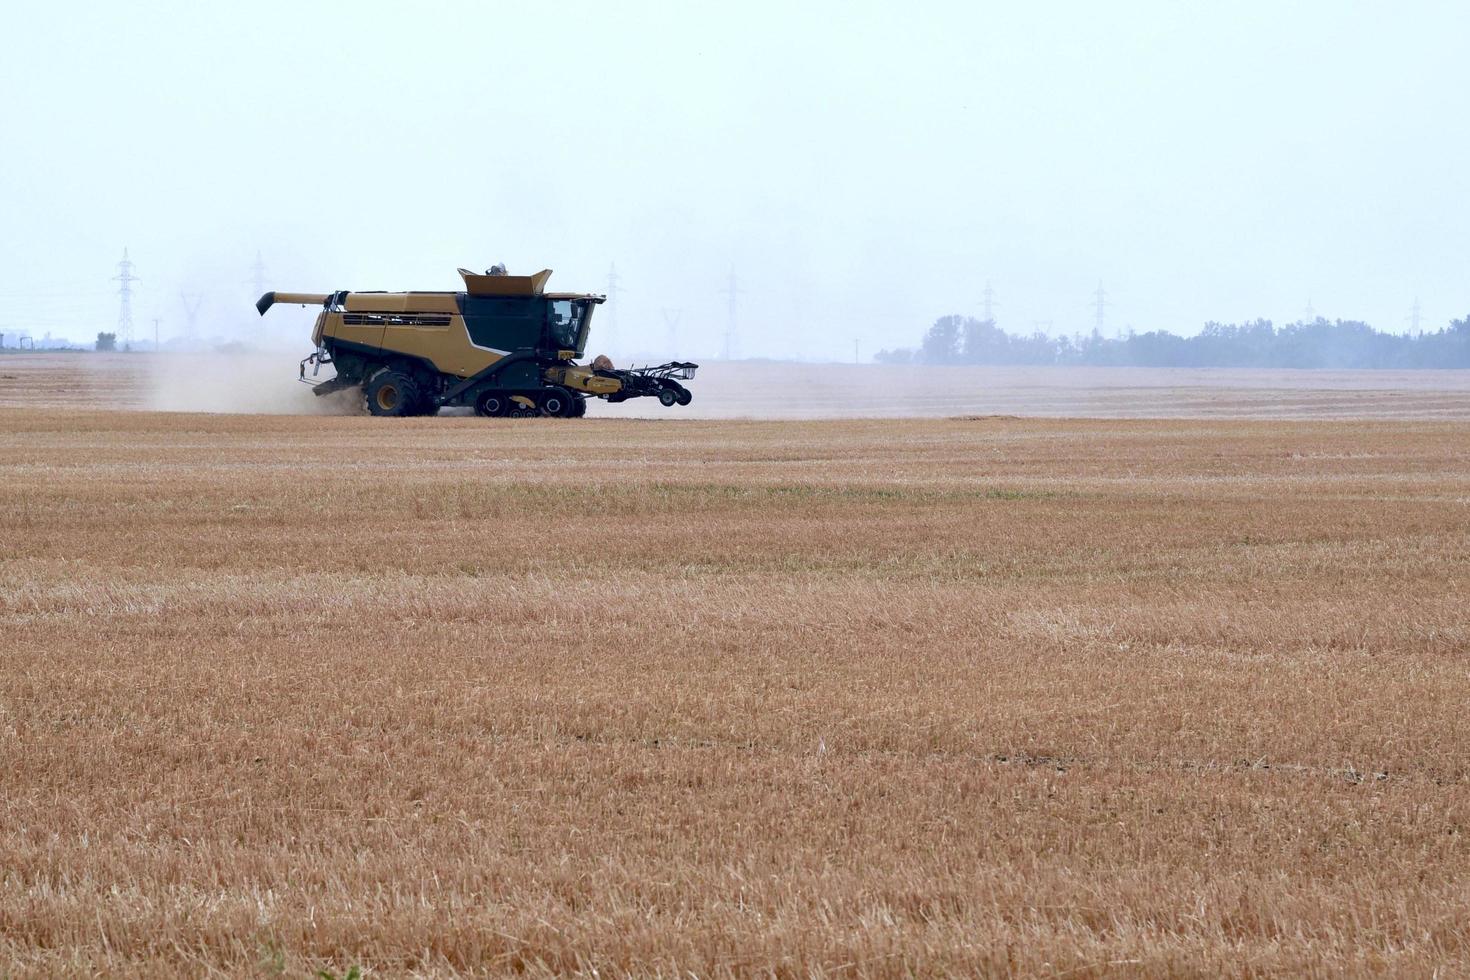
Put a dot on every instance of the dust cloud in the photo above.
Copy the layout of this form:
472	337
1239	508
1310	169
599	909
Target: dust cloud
239	382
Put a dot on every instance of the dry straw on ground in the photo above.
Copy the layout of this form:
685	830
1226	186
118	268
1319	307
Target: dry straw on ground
826	698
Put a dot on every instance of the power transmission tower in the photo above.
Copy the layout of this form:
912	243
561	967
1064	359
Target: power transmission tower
191	315
671	327
731	292
125	306
1414	319
1310	312
257	275
156	348
1099	306
613	279
988	298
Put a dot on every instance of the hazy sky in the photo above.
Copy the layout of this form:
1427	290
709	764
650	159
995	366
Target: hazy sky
864	168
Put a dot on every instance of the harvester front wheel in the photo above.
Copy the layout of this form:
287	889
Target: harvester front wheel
392	394
668	397
685	396
579	406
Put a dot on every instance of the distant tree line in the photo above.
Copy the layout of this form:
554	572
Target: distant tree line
1316	344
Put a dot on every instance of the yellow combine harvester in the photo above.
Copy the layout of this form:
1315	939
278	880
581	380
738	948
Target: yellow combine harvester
503	346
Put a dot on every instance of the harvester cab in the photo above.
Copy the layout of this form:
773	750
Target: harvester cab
503	346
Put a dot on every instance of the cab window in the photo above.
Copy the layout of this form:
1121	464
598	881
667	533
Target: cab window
566	323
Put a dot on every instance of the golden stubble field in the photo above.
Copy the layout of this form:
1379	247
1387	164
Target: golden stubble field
1055	698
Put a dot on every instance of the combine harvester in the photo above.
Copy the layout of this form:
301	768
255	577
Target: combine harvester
504	346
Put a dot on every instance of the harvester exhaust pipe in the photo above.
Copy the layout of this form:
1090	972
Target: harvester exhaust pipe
305	299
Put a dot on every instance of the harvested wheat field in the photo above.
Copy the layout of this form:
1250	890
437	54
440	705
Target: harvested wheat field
842	698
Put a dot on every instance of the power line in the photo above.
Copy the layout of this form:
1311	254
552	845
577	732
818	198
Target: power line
125	292
731	291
